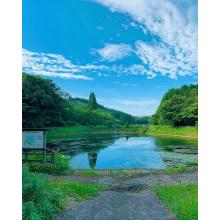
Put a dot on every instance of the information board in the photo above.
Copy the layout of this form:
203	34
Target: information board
33	139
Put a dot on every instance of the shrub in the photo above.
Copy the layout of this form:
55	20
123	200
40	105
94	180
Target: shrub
61	164
40	200
46	168
63	161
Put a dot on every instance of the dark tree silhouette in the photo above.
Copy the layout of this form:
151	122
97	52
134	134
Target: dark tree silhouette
92	105
92	157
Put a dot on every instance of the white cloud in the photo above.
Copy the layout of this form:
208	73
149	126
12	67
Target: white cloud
138	107
53	65
56	65
137	69
175	52
113	52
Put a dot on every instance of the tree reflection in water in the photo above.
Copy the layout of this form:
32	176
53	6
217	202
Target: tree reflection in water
92	157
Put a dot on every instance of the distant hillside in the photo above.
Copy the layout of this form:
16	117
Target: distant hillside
179	107
118	116
45	105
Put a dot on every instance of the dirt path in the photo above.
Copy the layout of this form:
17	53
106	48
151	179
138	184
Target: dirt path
126	197
138	178
119	206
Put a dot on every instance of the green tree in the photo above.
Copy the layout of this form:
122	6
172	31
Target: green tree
42	104
46	105
179	107
92	105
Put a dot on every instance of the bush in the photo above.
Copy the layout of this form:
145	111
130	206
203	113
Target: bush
29	211
40	200
59	167
46	168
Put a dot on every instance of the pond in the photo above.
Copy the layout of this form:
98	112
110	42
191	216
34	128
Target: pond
128	151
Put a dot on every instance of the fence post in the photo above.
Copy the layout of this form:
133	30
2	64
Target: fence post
44	152
44	156
26	156
53	156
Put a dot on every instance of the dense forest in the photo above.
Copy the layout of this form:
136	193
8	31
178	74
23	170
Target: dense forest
179	107
45	105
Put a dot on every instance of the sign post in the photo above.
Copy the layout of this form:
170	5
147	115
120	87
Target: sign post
34	139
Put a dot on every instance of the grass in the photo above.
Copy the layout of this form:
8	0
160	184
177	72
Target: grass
73	132
187	131
172	170
180	199
87	173
43	199
59	167
39	199
120	173
79	191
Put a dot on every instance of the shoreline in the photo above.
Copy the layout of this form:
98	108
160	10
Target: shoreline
172	135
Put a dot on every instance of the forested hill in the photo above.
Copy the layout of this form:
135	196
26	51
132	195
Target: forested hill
45	105
179	107
119	116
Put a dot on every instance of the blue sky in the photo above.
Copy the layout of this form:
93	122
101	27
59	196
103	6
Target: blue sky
128	52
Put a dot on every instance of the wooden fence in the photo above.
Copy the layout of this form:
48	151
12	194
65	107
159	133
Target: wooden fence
48	156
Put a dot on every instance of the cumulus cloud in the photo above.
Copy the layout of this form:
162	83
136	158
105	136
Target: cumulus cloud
175	51
113	52
53	65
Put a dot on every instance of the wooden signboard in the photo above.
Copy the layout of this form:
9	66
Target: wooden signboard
34	143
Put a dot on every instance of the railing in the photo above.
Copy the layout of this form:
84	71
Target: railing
48	156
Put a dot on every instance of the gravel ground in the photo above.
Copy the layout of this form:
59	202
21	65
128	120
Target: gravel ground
127	198
119	206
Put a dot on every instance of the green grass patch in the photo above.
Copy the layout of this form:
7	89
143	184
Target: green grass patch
47	168
72	132
59	167
180	199
39	199
180	169
43	199
80	191
187	131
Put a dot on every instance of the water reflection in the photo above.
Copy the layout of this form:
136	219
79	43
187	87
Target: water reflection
92	157
128	151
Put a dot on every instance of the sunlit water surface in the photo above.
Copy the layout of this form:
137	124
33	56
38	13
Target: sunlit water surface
128	152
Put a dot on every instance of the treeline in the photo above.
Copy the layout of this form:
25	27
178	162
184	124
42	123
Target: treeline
121	117
45	105
179	107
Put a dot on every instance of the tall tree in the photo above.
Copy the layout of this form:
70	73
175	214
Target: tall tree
179	107
92	105
42	104
46	105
